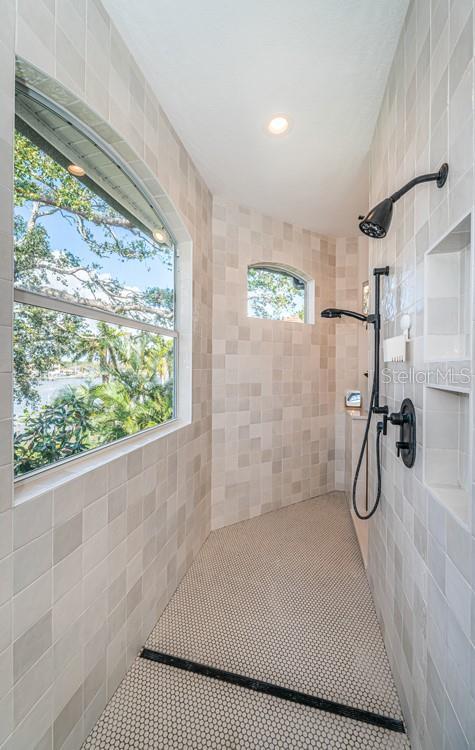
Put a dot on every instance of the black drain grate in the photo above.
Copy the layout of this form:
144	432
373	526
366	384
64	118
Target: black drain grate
259	686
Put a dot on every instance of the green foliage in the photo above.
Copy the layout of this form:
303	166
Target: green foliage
136	393
54	432
46	189
119	415
127	375
41	340
275	295
40	178
130	385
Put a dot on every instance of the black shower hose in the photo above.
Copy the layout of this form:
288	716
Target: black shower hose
362	516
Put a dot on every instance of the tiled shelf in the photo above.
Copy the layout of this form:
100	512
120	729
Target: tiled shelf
447	447
447	274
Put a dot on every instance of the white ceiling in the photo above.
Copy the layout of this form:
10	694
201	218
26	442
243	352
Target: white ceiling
222	68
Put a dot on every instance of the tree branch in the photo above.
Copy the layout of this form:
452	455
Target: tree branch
96	218
124	304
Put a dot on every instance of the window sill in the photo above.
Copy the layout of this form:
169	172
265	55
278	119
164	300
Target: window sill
53	477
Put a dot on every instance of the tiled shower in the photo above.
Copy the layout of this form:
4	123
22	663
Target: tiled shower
421	551
82	585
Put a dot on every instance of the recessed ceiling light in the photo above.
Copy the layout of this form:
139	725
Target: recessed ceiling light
278	125
159	235
76	170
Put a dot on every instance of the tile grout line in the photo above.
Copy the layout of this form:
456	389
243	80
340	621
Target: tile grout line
260	686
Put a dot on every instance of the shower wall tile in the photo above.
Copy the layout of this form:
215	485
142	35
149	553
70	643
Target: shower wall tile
422	560
87	565
250	480
36	33
273	381
7	35
351	338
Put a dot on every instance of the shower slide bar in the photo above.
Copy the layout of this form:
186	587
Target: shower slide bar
259	686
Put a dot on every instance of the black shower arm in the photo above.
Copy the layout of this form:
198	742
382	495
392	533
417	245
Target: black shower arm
439	176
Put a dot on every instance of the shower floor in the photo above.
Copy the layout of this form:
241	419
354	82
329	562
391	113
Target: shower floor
281	598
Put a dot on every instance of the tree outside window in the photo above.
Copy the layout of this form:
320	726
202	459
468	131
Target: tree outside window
94	338
275	294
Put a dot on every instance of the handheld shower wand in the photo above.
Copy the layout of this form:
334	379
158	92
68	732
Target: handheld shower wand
405	418
374	405
333	312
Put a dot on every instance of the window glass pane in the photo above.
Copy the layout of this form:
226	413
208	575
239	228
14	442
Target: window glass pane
275	294
80	384
70	242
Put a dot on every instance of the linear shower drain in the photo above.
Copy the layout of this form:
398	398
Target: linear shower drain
259	686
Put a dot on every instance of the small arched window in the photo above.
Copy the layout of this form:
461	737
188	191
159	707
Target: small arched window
279	293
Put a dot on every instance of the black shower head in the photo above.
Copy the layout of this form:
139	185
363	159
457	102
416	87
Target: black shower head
333	312
376	224
378	221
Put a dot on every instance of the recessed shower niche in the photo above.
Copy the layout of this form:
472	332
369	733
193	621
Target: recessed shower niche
447	448
447	296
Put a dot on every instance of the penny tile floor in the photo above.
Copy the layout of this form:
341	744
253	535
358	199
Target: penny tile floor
282	598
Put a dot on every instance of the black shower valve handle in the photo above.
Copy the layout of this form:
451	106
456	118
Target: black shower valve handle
401	445
398	419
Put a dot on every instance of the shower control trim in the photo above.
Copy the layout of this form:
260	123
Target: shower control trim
405	419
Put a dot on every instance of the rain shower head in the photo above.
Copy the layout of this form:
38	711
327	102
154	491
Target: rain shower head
377	222
334	312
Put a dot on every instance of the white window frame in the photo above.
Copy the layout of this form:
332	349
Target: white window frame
56	303
38	299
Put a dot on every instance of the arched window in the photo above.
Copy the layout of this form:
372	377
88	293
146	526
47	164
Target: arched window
279	292
94	330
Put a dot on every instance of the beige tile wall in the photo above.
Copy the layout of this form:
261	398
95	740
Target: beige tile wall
87	566
421	557
7	36
109	546
351	338
273	381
